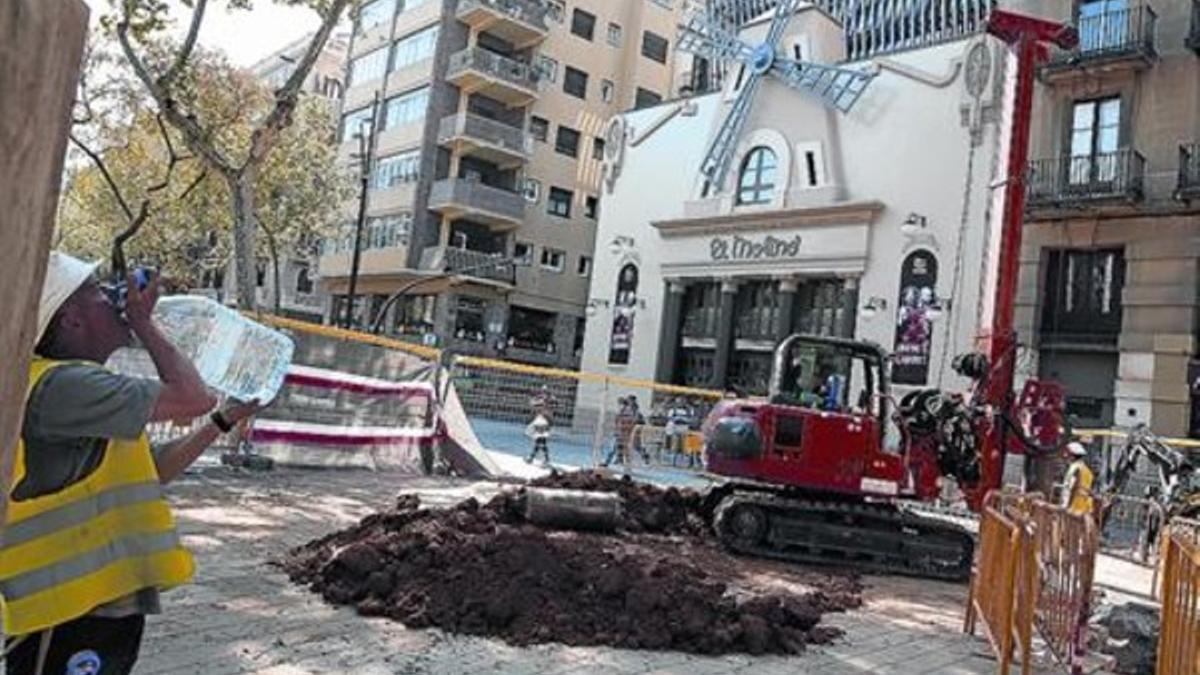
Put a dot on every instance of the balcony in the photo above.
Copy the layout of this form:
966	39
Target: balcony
1112	40
519	22
477	70
1193	38
1113	176
467	263
466	198
1189	172
487	139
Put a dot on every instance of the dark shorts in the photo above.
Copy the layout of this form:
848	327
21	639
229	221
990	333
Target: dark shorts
86	646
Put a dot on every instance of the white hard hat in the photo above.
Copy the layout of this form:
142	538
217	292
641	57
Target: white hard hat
64	275
1076	448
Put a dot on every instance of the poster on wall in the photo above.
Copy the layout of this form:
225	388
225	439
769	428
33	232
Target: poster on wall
914	327
624	309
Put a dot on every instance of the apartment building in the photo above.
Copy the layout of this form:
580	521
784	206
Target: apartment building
299	295
1112	245
486	147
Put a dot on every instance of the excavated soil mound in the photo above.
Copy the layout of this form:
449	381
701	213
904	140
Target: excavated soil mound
482	570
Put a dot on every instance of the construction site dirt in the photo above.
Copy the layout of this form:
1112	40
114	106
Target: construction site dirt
659	582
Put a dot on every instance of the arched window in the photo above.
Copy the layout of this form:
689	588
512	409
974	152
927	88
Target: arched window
756	180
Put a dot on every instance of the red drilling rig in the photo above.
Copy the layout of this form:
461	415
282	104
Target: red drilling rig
815	476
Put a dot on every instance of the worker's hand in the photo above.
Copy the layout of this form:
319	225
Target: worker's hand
139	302
236	411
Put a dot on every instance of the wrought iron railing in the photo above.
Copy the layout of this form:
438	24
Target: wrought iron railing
1113	33
532	14
1113	175
875	27
476	196
464	261
1189	169
483	129
517	73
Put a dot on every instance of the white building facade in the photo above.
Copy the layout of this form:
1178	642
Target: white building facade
878	224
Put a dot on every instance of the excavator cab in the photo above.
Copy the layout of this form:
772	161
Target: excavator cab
822	427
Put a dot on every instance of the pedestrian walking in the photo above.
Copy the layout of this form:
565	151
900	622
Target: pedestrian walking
539	431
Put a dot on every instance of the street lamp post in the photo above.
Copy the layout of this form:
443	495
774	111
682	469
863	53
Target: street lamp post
366	150
445	274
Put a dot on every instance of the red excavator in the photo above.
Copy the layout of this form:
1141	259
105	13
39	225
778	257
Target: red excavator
820	471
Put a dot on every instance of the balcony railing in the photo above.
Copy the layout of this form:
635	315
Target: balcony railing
516	73
1189	171
1113	35
1116	175
481	130
532	14
468	263
458	196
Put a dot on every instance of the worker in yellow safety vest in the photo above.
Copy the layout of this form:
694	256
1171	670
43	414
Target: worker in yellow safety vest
1077	483
88	539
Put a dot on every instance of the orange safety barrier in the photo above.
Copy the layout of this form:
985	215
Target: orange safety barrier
999	590
1064	546
1179	633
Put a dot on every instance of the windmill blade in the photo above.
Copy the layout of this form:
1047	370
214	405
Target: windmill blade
720	153
840	87
707	38
784	10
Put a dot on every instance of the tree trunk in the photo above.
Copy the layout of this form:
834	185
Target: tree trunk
273	249
245	227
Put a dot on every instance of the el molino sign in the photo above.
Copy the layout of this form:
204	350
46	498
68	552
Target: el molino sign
740	248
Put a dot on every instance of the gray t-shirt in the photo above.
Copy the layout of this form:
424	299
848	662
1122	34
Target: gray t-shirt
70	416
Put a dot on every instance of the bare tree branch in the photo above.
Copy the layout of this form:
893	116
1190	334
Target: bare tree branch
267	135
103	167
189	45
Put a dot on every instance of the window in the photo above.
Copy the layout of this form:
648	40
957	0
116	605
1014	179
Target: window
701	302
645	98
352	123
547	68
584	268
539	128
820	308
531	329
583	24
553	259
575	82
606	90
810	165
654	47
414	314
756	180
532	189
406	108
1104	24
614	34
1083	295
386	231
812	170
567	141
591	207
397	169
523	253
598	149
414	48
555	10
756	310
1095	137
469	319
374	13
558	203
369	66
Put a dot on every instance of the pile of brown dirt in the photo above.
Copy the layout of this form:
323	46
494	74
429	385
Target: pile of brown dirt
481	570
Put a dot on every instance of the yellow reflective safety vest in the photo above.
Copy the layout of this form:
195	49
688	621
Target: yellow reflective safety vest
97	540
1079	480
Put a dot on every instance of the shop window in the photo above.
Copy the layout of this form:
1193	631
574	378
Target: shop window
469	320
531	329
1082	300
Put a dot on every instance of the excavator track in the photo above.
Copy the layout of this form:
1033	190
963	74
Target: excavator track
867	536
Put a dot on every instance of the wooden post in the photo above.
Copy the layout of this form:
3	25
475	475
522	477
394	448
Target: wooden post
41	46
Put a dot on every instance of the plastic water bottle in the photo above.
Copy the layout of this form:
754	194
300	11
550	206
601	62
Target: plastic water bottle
234	355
